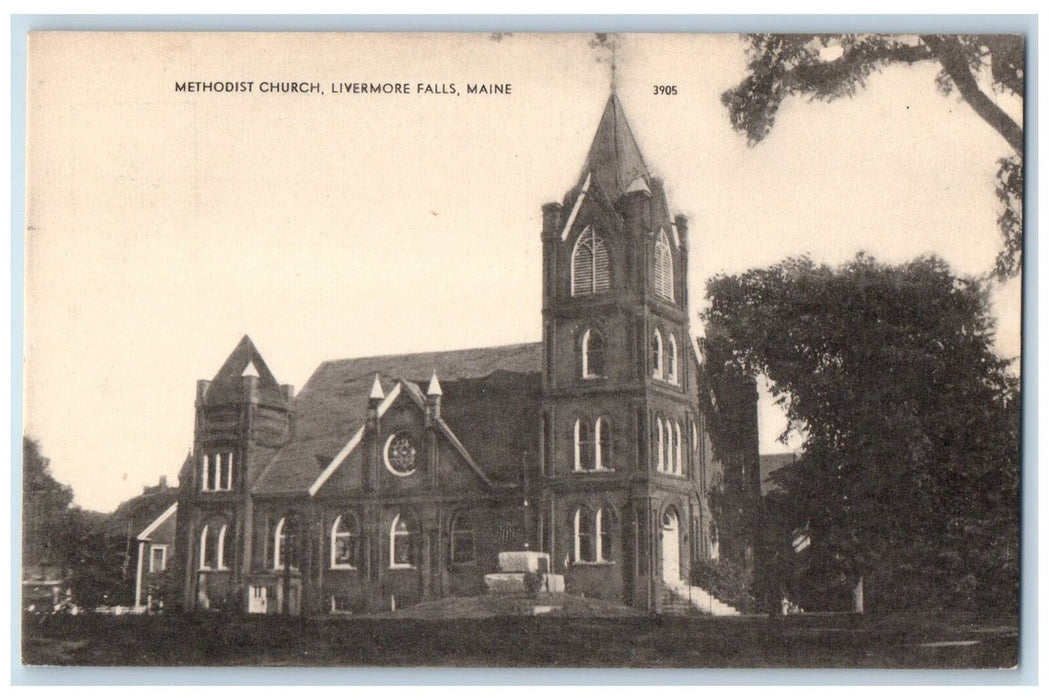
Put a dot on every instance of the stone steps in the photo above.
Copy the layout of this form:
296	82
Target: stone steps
680	598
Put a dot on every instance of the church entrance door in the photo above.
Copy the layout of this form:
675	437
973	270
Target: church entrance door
671	546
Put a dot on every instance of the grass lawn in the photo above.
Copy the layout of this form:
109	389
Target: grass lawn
567	640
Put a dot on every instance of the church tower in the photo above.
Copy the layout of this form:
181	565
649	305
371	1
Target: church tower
243	416
623	469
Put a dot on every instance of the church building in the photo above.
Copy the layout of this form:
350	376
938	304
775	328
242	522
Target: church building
387	481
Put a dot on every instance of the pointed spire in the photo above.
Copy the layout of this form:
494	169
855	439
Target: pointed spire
435	386
245	360
614	157
377	392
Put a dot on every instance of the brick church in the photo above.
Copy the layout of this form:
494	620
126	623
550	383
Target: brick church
391	480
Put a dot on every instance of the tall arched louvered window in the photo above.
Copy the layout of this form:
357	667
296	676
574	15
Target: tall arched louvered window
663	268
592	354
590	265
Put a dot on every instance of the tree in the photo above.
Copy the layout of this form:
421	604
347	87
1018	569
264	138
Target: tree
910	469
57	533
47	512
783	65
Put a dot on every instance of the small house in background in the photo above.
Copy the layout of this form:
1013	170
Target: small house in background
154	549
148	523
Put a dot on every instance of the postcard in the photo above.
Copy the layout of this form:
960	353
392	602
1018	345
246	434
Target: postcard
523	350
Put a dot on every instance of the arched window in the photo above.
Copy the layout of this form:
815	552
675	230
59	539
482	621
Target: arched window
401	556
345	542
592	354
216	471
204	559
663	268
590	266
462	539
583	527
603	527
584	456
671	359
668	464
603	440
220	548
280	546
677	448
660	447
213	546
657	355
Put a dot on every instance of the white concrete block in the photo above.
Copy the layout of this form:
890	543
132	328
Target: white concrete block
524	562
506	584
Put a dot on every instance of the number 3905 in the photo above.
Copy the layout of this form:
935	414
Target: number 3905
664	89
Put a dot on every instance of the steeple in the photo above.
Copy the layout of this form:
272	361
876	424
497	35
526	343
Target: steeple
614	159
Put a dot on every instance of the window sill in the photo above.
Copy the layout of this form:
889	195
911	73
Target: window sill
593	563
207	570
602	470
401	567
343	567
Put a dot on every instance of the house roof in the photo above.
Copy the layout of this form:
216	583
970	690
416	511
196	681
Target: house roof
487	394
614	157
160	520
770	464
139	513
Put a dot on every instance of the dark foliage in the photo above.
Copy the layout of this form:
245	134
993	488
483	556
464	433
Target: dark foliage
729	403
729	581
47	515
910	471
786	65
91	548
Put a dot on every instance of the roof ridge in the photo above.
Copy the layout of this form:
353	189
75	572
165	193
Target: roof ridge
431	352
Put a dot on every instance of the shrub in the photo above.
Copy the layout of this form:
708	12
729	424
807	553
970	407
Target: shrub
728	581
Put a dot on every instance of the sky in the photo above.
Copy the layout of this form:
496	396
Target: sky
163	225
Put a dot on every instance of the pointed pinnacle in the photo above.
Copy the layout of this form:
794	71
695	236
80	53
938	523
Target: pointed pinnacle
377	392
435	386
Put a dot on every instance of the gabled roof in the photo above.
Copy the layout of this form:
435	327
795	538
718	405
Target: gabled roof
498	382
614	157
160	520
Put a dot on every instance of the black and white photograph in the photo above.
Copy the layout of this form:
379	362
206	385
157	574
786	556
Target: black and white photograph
523	350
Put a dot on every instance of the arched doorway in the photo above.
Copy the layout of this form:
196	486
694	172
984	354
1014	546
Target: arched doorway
671	545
